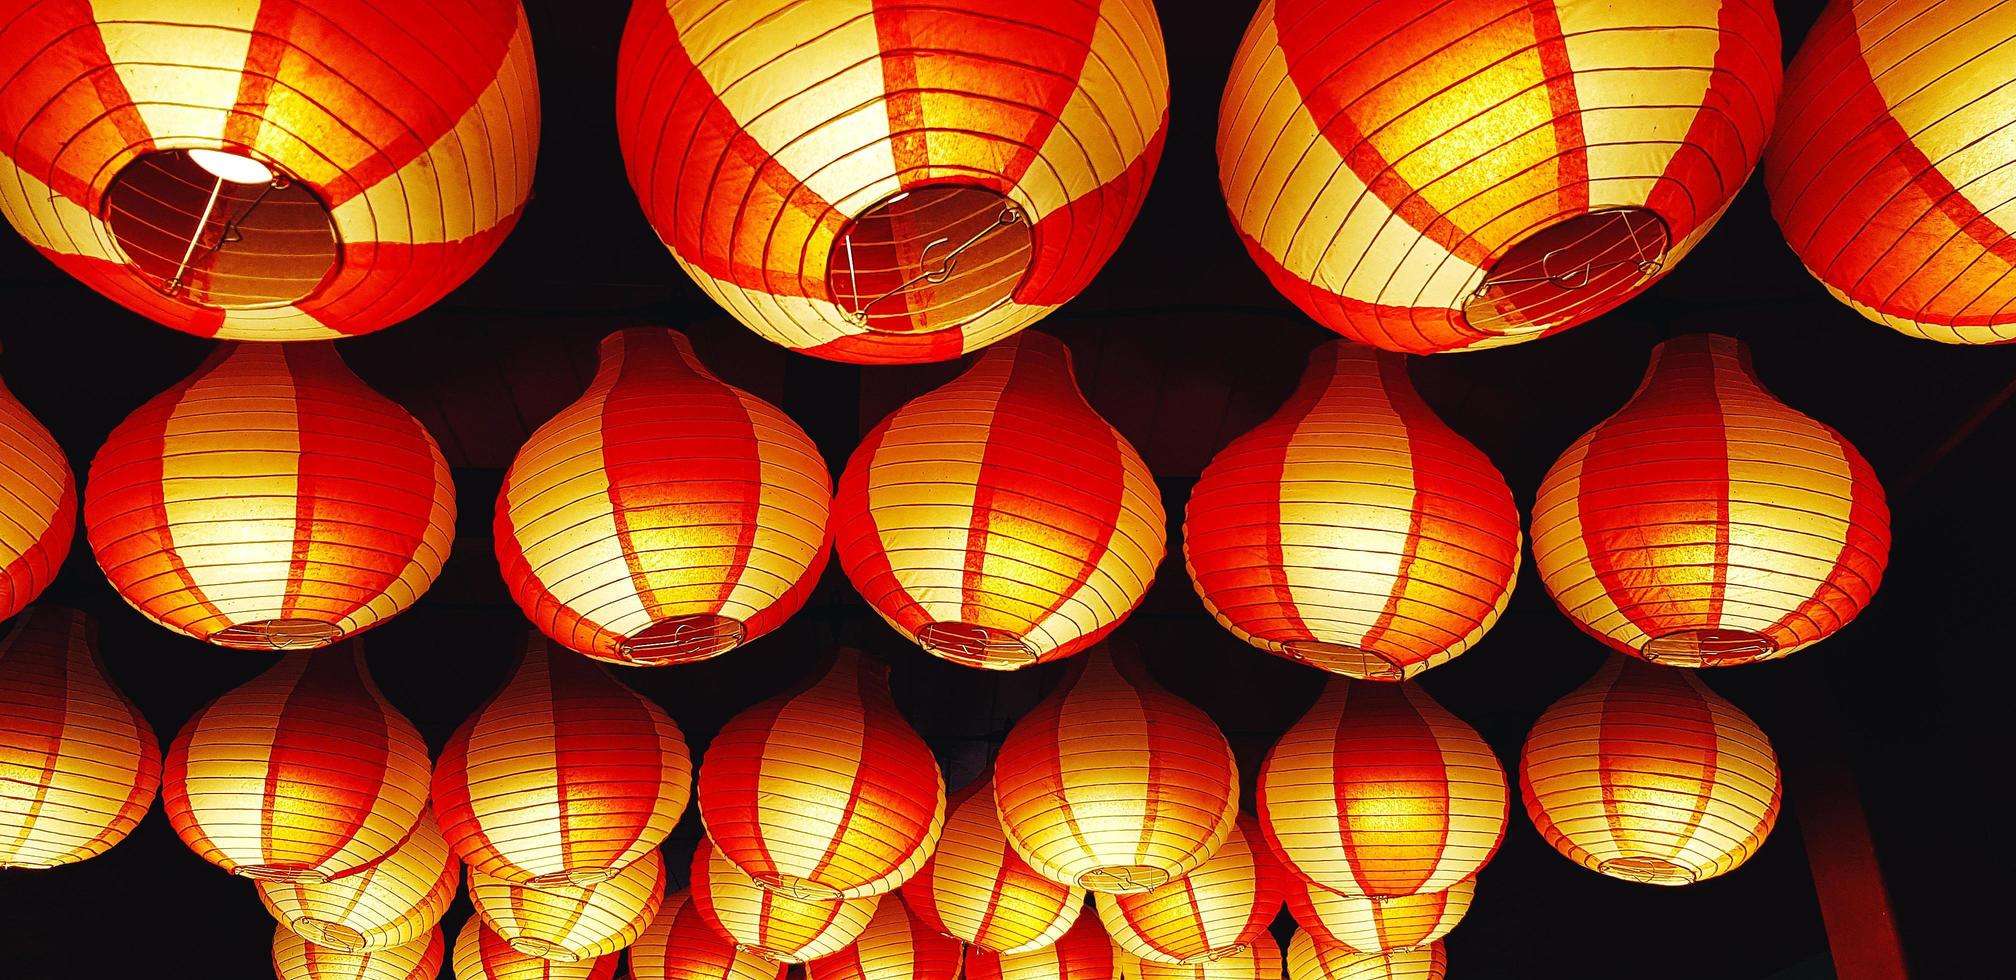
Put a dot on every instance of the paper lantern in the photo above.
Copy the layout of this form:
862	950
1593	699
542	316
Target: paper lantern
771	922
303	773
895	946
1706	523
1353	531
665	516
481	954
1378	791
570	922
1211	913
680	945
1645	774
1889	171
295	958
1259	959
1310	960
824	792
977	890
38	505
79	765
1375	925
999	521
564	777
267	170
1084	953
1114	784
390	903
891	182
271	501
1495	172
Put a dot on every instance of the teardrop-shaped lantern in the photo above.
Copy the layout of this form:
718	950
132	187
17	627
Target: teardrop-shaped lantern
1353	530
1215	911
1645	774
665	516
680	945
271	501
295	958
1259	959
772	922
572	922
79	765
1084	953
824	792
482	954
1496	172
1114	784
1374	925
977	890
895	946
303	773
895	182
1310	960
1706	523
1379	791
564	777
998	520
390	903
38	505
268	171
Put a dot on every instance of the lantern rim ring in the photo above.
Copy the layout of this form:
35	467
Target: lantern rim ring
1647	870
1615	250
1123	879
292	874
1695	648
544	949
976	645
1321	653
682	640
945	244
281	634
571	878
334	935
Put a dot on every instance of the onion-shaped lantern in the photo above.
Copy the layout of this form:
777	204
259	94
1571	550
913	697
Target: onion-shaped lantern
1084	953
977	890
482	954
772	922
38	505
390	903
572	922
1259	959
895	946
295	958
1311	960
1375	925
680	945
1217	910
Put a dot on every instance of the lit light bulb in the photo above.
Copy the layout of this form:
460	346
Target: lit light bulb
232	167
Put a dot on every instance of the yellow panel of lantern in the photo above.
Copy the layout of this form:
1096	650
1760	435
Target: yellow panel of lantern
1375	925
38	506
775	923
1310	960
977	890
389	903
572	923
680	945
1256	960
1084	953
1215	911
295	958
481	954
895	946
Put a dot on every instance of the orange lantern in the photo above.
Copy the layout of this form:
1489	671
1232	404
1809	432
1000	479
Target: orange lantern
271	501
977	890
775	923
1378	791
1645	774
665	516
1082	954
1215	911
1258	959
824	792
481	954
389	903
1706	523
1114	784
267	170
895	182
1496	172
303	773
1889	171
1374	925
564	777
569	922
680	945
295	958
78	763
895	946
38	505
999	521
1354	531
1310	960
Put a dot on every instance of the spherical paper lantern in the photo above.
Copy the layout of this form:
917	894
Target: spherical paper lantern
481	954
680	945
1354	531
773	922
895	946
999	521
271	501
824	792
898	182
1084	953
1645	774
665	516
1211	913
79	765
977	890
267	170
1373	925
1889	172
1310	960
1114	784
1706	523
564	777
569	922
1259	959
303	773
295	958
1378	791
390	903
1493	171
38	505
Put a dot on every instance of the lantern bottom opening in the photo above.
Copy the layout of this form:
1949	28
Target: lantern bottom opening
334	935
976	646
1708	648
1213	956
295	874
1647	870
277	634
682	640
572	878
544	950
794	887
1569	272
930	258
1123	879
1341	658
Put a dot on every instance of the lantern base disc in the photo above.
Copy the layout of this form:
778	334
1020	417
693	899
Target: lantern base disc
1709	648
1123	879
929	259
544	950
202	226
572	878
802	889
277	634
1340	658
681	640
1569	272
334	935
976	646
1214	956
293	874
1647	870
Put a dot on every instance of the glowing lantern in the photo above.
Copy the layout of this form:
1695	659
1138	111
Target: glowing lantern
481	954
897	181
1706	523
895	946
564	777
390	903
38	506
824	792
977	890
1084	953
267	170
679	945
78	763
665	516
271	501
999	521
1354	531
1645	774
1114	784
1499	171
569	922
1258	959
1213	912
778	924
1373	925
1378	791
1889	170
1310	960
303	773
295	958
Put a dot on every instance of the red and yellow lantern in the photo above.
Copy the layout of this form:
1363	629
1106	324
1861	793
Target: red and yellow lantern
1496	172
977	890
895	946
1375	925
271	501
1310	960
295	958
680	945
1216	911
665	516
999	521
1353	530
1084	953
572	923
390	903
38	506
1706	523
772	922
481	954
1259	959
267	170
